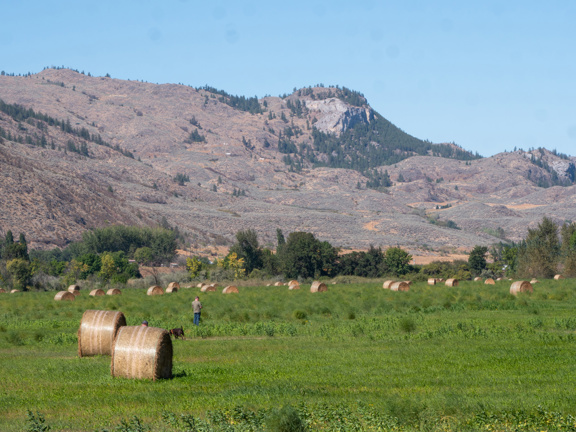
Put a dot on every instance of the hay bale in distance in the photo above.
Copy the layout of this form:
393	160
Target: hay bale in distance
534	281
230	289
97	331
431	281
208	288
521	287
293	285
451	282
64	295
142	353
477	279
74	289
155	290
399	286
318	287
489	281
2	290
113	291
278	284
558	277
97	292
387	284
14	291
199	285
173	287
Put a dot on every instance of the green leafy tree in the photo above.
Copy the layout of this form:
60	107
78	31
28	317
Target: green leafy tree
21	272
568	235
305	256
247	248
540	253
144	255
477	259
397	261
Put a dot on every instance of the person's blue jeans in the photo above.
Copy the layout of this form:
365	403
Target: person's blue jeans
197	318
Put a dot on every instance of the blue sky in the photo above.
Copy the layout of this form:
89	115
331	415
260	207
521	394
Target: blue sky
488	75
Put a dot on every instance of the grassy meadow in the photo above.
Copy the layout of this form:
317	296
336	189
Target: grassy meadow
355	358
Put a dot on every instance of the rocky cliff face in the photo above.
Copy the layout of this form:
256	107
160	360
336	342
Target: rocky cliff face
336	116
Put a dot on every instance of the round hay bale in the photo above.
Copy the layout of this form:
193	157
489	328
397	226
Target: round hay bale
387	284
278	284
477	279
74	289
97	331
64	295
399	286
489	281
318	287
534	281
142	353
558	277
173	287
499	279
431	281
230	289
155	290
451	282
97	292
199	285
14	291
268	285
208	288
293	285
2	290
113	291
521	287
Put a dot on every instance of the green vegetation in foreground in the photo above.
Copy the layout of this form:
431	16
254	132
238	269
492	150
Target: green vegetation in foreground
354	358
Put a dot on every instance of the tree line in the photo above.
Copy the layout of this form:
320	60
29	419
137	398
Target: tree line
109	255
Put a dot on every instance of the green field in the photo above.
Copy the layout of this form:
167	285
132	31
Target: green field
354	358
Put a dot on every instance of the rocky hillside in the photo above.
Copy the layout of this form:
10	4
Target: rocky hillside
78	151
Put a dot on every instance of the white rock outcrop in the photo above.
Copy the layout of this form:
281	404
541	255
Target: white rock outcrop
336	116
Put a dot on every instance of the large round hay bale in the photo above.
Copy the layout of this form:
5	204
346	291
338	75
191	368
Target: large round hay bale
399	286
278	284
489	281
142	353
113	291
64	295
431	281
97	292
155	290
521	287
558	277
293	285
16	290
230	289
74	289
387	284
208	288
97	331
318	287
173	287
451	282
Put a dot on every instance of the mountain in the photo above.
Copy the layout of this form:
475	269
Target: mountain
78	152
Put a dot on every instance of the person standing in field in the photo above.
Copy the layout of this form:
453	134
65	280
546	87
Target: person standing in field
197	309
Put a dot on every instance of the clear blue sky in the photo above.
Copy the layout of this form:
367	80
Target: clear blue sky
489	75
